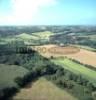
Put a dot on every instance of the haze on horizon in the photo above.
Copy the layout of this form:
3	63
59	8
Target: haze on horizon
47	12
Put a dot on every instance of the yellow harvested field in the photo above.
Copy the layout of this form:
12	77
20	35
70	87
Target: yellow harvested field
55	50
85	56
43	90
82	55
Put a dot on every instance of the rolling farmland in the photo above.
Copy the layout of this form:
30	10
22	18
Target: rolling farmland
85	56
53	63
82	55
76	68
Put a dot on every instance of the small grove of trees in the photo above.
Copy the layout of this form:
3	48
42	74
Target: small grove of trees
7	92
34	74
23	81
15	47
86	42
64	83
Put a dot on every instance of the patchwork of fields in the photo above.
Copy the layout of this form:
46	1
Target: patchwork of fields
76	68
32	38
59	54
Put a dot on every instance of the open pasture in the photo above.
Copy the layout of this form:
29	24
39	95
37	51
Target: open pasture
43	90
76	68
8	73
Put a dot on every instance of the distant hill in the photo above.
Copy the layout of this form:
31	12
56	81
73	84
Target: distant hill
16	30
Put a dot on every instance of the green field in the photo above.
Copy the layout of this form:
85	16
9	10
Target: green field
43	35
76	68
32	38
43	90
8	73
25	36
6	40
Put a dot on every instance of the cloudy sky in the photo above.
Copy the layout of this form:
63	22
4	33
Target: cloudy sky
47	12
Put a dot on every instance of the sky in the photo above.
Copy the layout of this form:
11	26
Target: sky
47	12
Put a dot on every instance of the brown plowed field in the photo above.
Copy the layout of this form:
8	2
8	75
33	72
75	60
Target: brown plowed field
56	50
85	56
82	55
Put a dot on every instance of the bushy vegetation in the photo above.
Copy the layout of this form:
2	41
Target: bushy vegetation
72	83
7	92
86	41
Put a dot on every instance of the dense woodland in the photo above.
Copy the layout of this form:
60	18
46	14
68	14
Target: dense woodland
73	39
